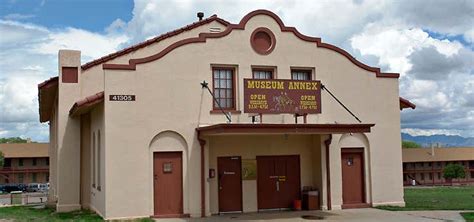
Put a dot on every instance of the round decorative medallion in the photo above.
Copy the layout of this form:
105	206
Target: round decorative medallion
262	41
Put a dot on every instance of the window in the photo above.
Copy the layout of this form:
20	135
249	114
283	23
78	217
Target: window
223	87
439	164
262	74
98	160
439	176
93	159
301	74
33	178
47	177
69	75
430	176
20	162
34	161
8	162
20	178
47	161
472	174
429	164
422	176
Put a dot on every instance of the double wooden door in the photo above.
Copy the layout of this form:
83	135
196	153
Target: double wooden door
278	181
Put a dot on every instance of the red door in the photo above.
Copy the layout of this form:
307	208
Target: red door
352	161
278	183
230	184
168	183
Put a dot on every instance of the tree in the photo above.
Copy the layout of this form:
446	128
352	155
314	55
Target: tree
453	171
13	140
410	144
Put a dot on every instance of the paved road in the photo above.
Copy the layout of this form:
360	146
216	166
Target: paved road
362	215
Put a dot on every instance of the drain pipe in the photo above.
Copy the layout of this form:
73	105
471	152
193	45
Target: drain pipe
202	143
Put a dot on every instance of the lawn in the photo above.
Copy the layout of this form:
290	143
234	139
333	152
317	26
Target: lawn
437	198
24	213
469	217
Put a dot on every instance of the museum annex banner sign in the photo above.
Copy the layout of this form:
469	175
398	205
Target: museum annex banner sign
282	96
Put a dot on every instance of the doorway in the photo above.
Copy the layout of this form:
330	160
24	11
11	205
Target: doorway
353	179
230	184
278	181
168	184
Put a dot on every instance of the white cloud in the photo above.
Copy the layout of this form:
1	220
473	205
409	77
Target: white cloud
394	35
16	16
28	56
429	132
394	44
92	45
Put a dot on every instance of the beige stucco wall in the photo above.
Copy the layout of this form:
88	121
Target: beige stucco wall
251	146
170	99
53	156
68	137
97	198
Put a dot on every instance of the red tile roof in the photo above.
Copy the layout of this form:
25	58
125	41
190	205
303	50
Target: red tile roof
153	40
49	82
405	103
85	103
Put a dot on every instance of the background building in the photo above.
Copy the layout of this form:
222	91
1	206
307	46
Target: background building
425	165
25	163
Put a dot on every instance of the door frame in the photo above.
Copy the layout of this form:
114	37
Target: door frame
359	150
153	187
299	176
241	187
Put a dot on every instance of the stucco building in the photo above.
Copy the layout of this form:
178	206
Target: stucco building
24	163
136	133
426	166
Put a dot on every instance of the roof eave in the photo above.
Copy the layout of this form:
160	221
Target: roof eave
46	97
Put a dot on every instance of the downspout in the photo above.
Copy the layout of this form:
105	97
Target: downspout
328	172
202	142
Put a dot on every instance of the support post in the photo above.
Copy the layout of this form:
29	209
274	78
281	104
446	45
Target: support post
328	172
203	177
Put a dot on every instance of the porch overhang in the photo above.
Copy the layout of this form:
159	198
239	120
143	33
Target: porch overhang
270	128
85	105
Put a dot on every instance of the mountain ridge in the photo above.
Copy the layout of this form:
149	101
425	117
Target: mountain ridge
440	140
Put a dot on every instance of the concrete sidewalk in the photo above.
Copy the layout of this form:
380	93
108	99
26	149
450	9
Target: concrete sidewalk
362	215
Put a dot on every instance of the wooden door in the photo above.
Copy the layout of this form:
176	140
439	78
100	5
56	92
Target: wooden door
278	181
267	193
168	183
352	161
289	180
229	183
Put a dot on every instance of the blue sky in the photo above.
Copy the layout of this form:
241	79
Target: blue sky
430	43
91	15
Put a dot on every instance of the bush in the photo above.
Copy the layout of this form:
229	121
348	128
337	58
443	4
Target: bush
410	144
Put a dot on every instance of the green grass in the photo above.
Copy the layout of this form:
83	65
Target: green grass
468	216
24	213
437	198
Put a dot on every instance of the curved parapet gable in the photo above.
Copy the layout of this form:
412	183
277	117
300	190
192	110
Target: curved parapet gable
241	26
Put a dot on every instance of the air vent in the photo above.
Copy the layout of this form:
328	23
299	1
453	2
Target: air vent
214	29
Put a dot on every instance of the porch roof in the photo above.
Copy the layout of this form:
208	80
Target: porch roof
271	128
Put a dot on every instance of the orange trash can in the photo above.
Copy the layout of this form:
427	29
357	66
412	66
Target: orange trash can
297	205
